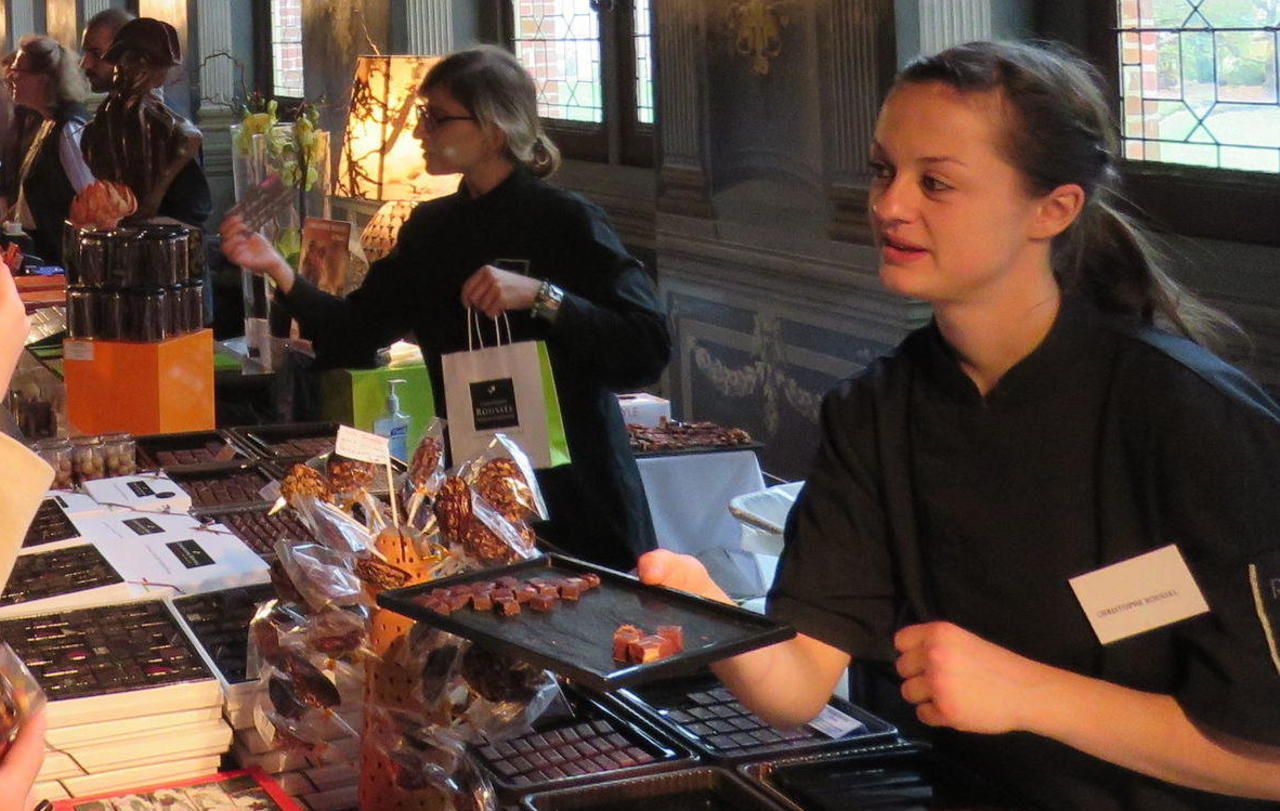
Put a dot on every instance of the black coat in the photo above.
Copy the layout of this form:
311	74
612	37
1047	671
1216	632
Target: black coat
611	335
48	190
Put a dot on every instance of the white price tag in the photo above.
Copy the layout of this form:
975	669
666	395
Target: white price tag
77	350
362	446
835	724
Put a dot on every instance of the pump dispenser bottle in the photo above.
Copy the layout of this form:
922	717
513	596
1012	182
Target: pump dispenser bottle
394	425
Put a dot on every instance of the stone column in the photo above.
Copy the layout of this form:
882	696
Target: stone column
944	23
683	177
859	64
429	24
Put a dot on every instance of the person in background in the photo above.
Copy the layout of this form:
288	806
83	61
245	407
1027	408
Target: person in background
1061	414
27	477
99	33
582	293
45	78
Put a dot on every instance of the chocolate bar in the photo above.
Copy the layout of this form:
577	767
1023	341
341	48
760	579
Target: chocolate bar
262	203
222	489
587	748
260	531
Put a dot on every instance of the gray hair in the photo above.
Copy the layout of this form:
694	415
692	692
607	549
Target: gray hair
68	84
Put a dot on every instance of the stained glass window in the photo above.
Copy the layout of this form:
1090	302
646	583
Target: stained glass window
558	41
286	48
644	63
1198	82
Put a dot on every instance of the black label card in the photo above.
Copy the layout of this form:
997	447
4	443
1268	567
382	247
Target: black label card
60	502
494	404
143	526
190	553
141	489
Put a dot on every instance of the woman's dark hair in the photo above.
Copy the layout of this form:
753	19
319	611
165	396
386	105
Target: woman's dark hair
494	87
1060	130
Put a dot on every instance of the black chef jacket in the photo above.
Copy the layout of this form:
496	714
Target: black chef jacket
611	335
929	502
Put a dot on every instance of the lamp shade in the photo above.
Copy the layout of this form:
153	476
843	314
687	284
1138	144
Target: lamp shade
381	160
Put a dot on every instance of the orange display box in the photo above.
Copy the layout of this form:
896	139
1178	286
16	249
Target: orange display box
140	388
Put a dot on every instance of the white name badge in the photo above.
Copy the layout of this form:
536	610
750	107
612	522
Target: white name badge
1139	594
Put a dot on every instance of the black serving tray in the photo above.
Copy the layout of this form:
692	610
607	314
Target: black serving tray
274	441
701	713
194	482
912	778
219	621
555	750
150	449
50	525
576	639
705	788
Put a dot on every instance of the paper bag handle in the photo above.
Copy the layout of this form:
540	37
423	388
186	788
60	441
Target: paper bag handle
474	330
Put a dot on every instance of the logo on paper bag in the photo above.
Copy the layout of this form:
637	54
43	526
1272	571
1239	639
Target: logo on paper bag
190	554
493	403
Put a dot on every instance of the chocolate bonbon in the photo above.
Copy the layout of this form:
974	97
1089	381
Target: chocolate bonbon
219	621
223	488
63	571
261	531
49	525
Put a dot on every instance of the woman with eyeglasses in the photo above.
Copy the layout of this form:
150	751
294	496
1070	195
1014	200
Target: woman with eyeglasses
46	78
573	286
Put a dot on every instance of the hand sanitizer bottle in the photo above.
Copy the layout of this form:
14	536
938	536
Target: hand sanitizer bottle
393	424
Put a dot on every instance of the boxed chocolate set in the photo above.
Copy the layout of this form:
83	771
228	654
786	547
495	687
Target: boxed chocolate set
260	530
75	575
295	442
219	622
50	525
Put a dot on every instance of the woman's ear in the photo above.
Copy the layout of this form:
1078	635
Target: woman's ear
1057	210
495	139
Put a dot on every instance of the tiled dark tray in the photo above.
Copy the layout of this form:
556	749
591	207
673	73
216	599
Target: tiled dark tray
705	788
219	620
103	650
576	639
293	441
41	575
227	487
50	524
193	450
597	742
705	716
698	449
259	530
908	777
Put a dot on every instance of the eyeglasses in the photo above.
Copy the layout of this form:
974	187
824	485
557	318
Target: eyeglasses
430	121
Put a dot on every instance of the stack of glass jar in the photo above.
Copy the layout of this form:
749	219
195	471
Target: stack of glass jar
141	283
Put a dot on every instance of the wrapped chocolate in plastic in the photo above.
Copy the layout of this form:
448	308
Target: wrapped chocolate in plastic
20	696
453	507
303	481
491	539
323	576
425	477
423	757
504	477
334	528
513	694
338	633
349	476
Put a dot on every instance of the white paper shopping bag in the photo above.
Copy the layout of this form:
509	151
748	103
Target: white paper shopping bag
506	388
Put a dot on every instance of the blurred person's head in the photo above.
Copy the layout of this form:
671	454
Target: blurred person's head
44	75
99	33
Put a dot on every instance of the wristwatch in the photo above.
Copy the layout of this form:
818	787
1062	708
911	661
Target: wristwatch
546	303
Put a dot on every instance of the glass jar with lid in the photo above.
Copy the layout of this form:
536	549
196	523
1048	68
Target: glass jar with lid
88	458
120	453
57	452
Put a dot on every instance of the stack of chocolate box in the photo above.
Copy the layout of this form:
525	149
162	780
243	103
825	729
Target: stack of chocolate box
219	622
131	700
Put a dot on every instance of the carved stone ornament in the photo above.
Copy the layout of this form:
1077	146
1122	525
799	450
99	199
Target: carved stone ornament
135	139
755	30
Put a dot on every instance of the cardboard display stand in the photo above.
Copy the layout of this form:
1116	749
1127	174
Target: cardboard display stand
142	388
